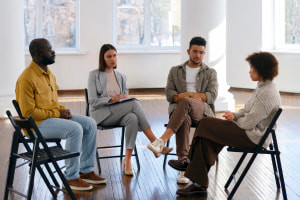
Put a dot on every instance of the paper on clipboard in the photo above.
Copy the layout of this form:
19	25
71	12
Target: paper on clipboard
123	100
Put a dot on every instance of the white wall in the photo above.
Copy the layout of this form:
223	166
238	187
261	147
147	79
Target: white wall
143	70
11	51
244	36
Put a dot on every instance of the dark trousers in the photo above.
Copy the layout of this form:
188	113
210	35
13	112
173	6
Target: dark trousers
189	111
210	137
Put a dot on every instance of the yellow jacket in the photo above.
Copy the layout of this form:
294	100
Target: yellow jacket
36	93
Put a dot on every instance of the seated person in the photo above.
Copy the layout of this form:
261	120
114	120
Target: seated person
36	93
191	90
106	85
242	129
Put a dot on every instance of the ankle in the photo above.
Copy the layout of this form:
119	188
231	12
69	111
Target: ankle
164	140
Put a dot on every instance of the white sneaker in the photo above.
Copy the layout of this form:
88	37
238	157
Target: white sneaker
157	146
181	178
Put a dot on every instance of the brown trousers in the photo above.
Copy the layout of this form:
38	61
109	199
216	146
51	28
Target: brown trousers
210	137
189	111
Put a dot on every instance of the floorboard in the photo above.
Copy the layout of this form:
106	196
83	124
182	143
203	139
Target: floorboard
151	181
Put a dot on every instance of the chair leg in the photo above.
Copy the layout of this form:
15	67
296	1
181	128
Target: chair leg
235	170
242	176
10	175
98	162
279	166
31	180
12	164
51	175
281	177
137	158
166	155
275	168
47	181
122	143
64	180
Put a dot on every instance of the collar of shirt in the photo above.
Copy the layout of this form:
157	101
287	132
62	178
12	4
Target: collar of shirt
38	70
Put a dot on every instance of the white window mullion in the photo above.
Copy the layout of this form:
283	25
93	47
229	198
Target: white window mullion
39	18
77	25
147	7
280	25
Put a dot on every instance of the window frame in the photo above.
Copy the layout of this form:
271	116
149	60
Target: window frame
279	29
39	25
146	47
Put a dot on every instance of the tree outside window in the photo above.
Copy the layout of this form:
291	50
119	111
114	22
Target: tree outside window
147	23
292	22
55	20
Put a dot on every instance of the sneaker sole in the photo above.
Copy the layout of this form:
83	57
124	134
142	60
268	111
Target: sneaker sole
94	182
176	167
183	182
193	194
79	188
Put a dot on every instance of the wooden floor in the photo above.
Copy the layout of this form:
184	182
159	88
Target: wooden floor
152	182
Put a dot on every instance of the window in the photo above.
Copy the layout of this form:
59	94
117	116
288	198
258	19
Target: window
55	20
147	24
287	25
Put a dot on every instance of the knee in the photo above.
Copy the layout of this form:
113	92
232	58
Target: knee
75	130
131	118
92	124
185	100
137	105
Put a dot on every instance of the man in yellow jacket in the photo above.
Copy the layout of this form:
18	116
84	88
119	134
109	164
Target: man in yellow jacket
36	93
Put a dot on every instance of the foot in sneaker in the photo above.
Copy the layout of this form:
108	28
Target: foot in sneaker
157	146
181	179
79	184
192	190
165	150
179	165
92	178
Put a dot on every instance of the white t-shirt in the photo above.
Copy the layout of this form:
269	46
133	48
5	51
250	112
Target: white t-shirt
191	74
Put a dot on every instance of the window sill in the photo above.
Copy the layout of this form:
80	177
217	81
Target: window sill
284	52
142	51
80	52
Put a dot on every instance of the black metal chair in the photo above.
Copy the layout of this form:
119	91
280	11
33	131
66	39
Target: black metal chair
50	140
18	109
121	146
273	151
39	155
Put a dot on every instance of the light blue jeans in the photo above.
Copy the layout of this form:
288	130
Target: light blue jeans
80	134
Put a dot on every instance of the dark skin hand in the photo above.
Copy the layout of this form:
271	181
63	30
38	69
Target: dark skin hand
65	114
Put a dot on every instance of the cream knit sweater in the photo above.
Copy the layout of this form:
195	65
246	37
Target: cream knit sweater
259	111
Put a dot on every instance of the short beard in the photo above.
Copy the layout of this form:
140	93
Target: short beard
47	61
195	62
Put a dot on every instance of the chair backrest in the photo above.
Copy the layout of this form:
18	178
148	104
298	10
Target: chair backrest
87	107
18	109
31	128
270	129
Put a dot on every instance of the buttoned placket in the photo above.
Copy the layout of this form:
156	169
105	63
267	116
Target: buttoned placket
49	82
